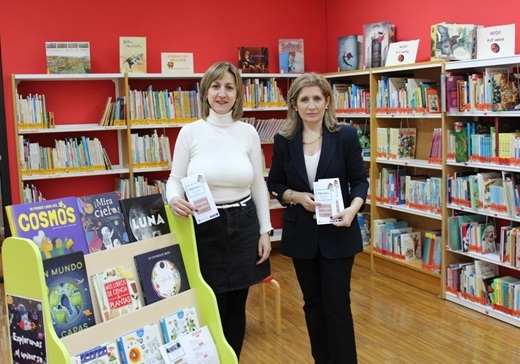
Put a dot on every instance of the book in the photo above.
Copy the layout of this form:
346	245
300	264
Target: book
253	60
364	225
67	57
177	64
291	56
53	225
102	221
454	42
433	105
116	291
404	52
452	101
141	345
179	323
411	246
406	142
198	193
461	141
196	347
161	273
101	354
328	193
349	52
132	55
70	302
376	39
496	41
505	90
145	216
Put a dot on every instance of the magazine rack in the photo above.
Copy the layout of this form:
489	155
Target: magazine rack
24	277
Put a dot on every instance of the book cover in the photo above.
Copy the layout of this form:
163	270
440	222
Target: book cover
177	64
161	273
67	57
349	54
291	56
433	105
496	41
364	225
102	221
53	225
116	291
328	193
198	193
102	354
70	301
406	142
454	42
195	347
132	54
253	60
145	216
25	320
179	323
505	95
461	141
404	52
141	346
411	245
376	39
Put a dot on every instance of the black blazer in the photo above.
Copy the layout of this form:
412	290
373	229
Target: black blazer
340	158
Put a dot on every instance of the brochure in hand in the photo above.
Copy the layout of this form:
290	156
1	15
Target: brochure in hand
198	193
328	193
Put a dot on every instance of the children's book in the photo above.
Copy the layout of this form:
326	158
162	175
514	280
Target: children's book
179	323
145	216
70	300
291	55
198	193
102	221
196	347
161	273
454	42
53	225
328	193
253	60
141	346
116	291
376	39
67	57
102	354
132	54
349	52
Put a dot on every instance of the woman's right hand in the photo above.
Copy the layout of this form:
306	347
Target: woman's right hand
306	199
181	207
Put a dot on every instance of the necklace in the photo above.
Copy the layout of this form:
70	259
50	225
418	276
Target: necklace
314	140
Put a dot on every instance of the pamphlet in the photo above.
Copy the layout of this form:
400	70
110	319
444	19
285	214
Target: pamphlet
328	193
198	193
196	347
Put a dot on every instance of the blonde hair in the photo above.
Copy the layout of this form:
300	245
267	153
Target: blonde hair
215	73
294	121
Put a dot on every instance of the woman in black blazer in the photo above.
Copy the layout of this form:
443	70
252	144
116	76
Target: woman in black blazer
310	147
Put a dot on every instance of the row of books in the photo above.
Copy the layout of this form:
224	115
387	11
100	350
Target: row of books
142	187
266	128
351	98
69	155
396	143
31	112
262	93
407	96
150	150
114	113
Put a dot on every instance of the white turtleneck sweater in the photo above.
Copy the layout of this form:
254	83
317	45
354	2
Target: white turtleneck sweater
229	155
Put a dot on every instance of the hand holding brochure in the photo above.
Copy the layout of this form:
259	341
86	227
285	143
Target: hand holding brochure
198	193
328	193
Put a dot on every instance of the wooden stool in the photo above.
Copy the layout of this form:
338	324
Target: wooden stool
278	301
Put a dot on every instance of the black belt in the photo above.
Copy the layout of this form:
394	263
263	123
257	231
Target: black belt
241	203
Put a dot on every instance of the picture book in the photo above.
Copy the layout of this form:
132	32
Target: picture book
403	52
132	54
496	41
53	225
145	216
350	52
454	42
179	323
161	273
328	193
25	321
376	39
433	105
102	221
67	57
198	193
505	90
291	56
116	291
102	354
70	300
411	245
196	347
253	60
177	64
141	346
364	225
406	142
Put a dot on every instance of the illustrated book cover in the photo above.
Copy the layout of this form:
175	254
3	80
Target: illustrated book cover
116	291
177	64
403	52
179	323
195	347
198	193
349	52
145	216
102	221
496	41
102	354
53	225
328	193
132	54
253	60
455	42
67	57
291	56
161	273
70	299
141	346
376	39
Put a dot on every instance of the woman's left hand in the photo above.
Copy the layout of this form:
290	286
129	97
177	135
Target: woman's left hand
264	248
346	216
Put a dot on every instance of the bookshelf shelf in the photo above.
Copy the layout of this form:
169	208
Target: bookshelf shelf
421	163
408	210
71	128
36	177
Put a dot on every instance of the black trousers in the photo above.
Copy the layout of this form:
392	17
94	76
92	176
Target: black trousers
325	284
232	309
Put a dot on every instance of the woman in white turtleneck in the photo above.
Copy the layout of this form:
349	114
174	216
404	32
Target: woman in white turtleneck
233	248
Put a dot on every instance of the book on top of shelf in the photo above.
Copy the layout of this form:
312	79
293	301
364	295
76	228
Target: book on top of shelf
179	323
291	56
177	64
496	41
70	302
116	291
103	221
376	39
253	60
404	52
454	42
161	273
350	50
141	345
145	216
67	57
132	54
101	354
53	225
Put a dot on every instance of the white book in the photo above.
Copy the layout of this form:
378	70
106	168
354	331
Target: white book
198	193
328	193
196	347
